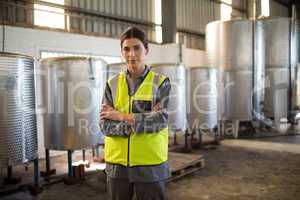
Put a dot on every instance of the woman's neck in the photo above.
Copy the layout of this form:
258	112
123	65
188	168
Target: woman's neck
136	72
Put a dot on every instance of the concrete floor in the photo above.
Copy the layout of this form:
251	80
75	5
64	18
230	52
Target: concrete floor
237	169
289	144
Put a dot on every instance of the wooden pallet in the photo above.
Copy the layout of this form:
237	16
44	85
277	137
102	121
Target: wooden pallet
183	164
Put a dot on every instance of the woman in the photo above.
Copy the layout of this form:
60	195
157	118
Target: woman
134	121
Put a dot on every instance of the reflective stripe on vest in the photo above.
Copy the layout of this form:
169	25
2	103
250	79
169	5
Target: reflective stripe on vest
138	148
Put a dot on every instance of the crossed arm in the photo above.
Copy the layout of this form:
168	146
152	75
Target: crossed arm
108	112
115	123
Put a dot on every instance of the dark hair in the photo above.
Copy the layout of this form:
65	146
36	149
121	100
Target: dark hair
134	32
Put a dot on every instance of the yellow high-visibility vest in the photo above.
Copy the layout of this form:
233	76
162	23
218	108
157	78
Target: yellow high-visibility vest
138	148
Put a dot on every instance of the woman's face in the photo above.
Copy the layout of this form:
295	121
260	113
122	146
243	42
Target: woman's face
134	53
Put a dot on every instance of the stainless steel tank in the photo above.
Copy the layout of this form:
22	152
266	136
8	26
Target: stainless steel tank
18	130
278	54
178	94
73	90
296	55
257	62
230	47
203	97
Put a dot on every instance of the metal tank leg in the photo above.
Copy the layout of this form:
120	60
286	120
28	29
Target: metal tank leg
199	137
236	129
70	179
99	158
83	155
97	151
175	138
36	172
187	146
93	152
35	189
192	139
70	170
186	140
217	134
47	153
196	143
9	171
84	158
222	128
48	171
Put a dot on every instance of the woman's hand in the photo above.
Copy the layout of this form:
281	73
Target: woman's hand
108	112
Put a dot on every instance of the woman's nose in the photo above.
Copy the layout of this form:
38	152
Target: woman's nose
132	53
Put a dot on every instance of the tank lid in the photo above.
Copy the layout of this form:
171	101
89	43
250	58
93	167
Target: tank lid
229	21
14	55
247	20
273	18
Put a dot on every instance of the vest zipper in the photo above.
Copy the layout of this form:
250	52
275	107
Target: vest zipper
129	135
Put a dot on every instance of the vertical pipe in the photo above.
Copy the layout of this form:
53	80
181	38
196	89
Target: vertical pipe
216	134
259	72
93	152
9	172
175	139
254	9
180	50
97	151
66	21
186	145
3	27
200	137
70	170
36	172
290	65
83	154
294	55
255	98
47	152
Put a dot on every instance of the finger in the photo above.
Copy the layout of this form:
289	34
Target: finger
102	112
103	115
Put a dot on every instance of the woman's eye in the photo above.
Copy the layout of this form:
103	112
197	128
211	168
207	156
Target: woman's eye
137	48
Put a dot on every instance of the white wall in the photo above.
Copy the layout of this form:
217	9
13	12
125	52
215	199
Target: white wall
194	58
32	41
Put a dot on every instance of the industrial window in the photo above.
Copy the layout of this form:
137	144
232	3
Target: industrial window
107	59
226	9
265	8
158	21
49	16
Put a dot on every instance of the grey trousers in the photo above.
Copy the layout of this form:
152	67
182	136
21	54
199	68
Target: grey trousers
122	189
